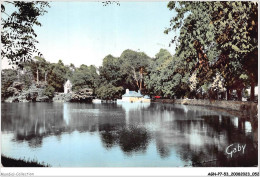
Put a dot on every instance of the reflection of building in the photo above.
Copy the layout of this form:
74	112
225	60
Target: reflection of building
67	87
134	108
66	113
133	96
256	91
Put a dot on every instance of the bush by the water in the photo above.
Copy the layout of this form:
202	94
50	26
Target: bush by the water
49	91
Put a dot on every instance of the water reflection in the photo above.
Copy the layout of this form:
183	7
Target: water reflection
158	134
131	139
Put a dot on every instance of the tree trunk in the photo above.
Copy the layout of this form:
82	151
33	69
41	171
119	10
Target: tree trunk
45	77
141	79
239	94
37	75
137	83
18	75
228	94
252	91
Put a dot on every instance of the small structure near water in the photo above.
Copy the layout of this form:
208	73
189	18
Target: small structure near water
68	87
133	96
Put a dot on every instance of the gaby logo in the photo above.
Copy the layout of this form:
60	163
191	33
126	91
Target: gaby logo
232	149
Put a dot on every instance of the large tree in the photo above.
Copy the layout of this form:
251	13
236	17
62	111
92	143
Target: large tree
18	37
156	72
85	77
108	91
217	37
175	77
110	71
133	67
58	75
39	68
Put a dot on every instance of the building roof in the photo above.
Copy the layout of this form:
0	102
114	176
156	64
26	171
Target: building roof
132	94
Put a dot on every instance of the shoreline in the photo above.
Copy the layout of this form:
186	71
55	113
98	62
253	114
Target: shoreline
227	104
245	109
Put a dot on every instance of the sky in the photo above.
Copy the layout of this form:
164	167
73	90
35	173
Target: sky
86	32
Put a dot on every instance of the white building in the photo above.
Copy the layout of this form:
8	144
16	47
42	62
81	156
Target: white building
133	97
256	91
68	87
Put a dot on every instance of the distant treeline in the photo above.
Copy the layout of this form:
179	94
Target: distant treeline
133	70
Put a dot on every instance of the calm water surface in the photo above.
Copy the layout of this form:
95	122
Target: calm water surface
128	135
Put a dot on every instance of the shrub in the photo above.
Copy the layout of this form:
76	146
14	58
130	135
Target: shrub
49	91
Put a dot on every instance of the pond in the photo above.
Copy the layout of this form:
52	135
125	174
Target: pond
126	135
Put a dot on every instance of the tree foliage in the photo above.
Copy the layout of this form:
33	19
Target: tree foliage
8	76
110	71
18	37
133	67
109	92
38	67
58	75
157	72
85	77
106	3
49	91
217	37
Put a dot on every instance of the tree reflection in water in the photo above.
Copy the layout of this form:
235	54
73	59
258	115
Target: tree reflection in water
133	139
193	134
130	139
109	135
214	154
162	149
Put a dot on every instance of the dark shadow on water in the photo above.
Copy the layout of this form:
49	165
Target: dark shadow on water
222	160
133	139
130	139
211	155
109	135
162	149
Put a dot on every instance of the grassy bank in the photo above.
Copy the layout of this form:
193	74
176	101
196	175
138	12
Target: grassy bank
10	162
